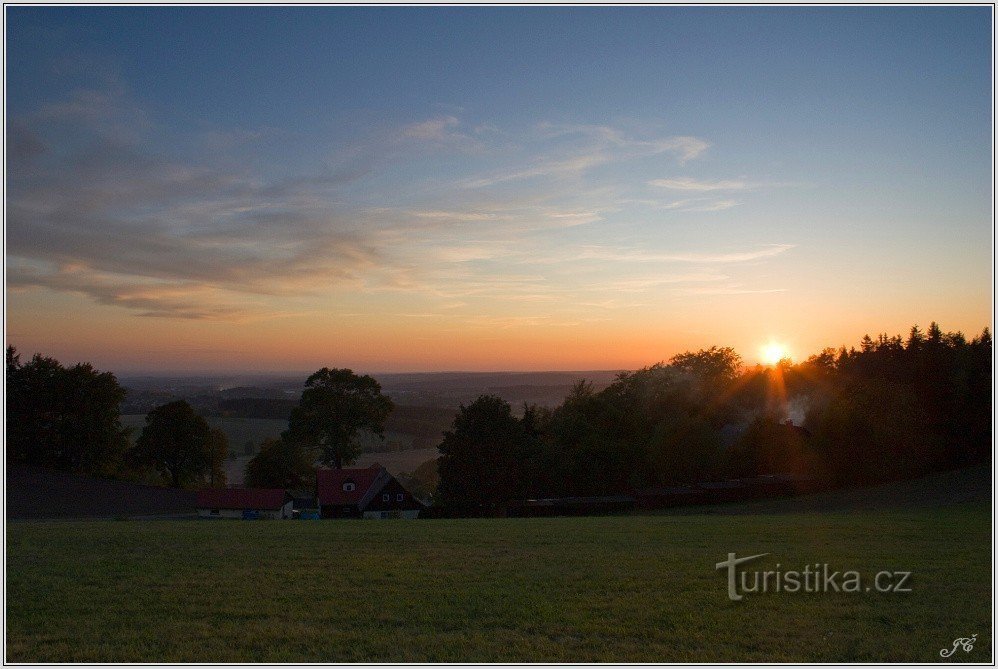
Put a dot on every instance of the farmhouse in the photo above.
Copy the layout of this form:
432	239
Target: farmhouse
364	493
248	503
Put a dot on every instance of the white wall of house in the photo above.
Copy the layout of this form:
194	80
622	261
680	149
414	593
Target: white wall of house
283	512
271	514
220	513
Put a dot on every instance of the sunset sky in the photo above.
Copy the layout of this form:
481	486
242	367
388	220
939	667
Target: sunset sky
415	189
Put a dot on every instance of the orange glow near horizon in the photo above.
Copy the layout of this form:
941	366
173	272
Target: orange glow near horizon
383	338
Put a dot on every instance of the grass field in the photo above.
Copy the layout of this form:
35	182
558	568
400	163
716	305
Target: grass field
628	588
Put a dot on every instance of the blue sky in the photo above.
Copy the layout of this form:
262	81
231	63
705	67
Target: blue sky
602	187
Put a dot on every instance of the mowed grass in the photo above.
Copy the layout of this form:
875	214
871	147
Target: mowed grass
627	588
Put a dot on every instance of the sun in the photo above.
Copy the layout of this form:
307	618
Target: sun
773	352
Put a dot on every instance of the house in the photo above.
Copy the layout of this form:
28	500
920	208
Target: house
370	492
248	503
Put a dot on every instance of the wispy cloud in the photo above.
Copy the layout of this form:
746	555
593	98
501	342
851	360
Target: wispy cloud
543	168
643	284
442	131
684	147
185	300
438	129
717	205
604	253
100	205
163	237
732	290
564	150
439	215
688	184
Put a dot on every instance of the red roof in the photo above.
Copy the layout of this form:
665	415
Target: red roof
330	483
241	498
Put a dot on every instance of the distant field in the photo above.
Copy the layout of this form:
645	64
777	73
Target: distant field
257	430
238	430
628	588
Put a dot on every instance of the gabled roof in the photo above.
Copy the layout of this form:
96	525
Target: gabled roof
367	482
241	498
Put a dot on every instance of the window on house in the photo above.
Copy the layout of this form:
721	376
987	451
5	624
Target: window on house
400	497
349	486
386	497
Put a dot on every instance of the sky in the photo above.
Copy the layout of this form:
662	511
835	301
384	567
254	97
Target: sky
491	188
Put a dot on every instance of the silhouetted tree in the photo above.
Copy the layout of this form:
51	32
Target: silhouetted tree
181	446
63	418
683	448
482	459
215	452
334	407
891	410
711	364
280	464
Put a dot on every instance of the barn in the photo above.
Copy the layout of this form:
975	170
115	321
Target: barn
247	503
370	492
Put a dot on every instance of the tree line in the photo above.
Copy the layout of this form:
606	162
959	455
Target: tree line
68	418
895	408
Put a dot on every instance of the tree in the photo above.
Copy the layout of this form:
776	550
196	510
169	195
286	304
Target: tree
215	451
280	464
683	449
712	364
181	446
335	405
482	459
64	417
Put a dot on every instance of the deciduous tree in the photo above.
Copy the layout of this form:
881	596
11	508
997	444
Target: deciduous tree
64	417
180	444
280	464
335	405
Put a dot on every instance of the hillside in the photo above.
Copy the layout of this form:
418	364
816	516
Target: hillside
970	485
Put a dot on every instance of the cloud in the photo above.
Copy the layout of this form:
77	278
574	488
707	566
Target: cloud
438	129
730	291
688	184
164	237
441	131
183	300
718	205
690	204
544	168
684	147
566	150
102	203
603	253
459	216
645	283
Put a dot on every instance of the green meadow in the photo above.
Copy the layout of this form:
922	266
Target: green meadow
638	588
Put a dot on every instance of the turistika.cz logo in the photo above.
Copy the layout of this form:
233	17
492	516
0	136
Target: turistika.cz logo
817	577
